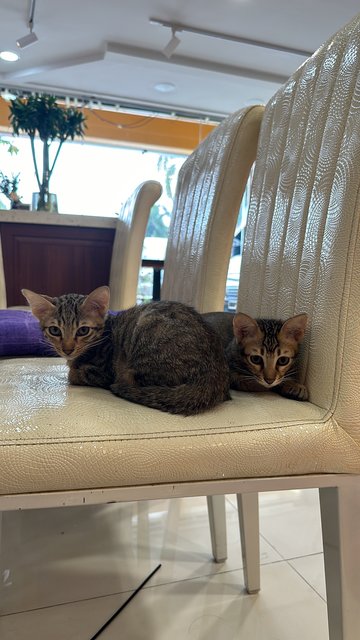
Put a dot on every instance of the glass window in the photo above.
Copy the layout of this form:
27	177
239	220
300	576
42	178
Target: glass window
90	178
233	276
95	179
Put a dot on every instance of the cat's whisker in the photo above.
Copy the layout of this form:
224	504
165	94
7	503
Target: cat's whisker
247	376
96	342
290	375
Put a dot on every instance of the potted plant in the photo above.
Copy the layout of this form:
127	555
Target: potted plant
39	114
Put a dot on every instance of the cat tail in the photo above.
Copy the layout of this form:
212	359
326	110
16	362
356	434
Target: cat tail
185	399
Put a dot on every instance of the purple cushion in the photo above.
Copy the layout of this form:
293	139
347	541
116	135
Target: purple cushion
20	335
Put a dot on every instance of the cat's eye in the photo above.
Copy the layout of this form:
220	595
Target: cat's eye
54	331
83	331
282	361
256	359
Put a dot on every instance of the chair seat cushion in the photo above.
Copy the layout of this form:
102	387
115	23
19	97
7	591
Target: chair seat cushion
56	437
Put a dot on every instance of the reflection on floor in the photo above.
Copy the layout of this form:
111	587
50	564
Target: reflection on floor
65	571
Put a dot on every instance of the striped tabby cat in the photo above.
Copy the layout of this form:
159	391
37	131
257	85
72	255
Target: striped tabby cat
161	354
262	354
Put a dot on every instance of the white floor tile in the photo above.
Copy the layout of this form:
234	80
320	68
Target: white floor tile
55	556
208	608
311	568
290	521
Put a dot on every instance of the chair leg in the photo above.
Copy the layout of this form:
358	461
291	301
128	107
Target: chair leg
217	521
340	519
248	509
1	520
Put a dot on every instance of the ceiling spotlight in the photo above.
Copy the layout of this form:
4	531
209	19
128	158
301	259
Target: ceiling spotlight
31	37
27	40
172	44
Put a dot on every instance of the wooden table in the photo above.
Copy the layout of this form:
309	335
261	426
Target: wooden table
56	253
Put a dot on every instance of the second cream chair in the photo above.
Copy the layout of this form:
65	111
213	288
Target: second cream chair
210	188
128	243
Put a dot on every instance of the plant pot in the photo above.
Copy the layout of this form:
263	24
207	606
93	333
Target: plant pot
50	202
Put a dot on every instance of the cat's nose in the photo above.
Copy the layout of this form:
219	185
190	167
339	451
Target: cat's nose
68	351
269	380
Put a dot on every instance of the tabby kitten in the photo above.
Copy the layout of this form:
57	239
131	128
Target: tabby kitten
262	354
162	354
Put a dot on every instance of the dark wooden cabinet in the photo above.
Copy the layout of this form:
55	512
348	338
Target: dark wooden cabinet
54	259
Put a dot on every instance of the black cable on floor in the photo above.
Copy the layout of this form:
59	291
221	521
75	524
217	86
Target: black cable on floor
125	603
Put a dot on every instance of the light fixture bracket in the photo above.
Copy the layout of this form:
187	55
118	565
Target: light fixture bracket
177	27
31	37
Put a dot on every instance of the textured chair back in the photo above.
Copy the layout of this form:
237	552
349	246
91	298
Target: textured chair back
302	242
128	244
210	187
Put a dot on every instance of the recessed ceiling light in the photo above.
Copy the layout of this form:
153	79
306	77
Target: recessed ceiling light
9	56
165	87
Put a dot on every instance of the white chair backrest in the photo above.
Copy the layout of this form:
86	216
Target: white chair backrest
302	242
128	244
209	191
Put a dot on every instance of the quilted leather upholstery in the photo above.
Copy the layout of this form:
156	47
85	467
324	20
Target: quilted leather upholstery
128	243
302	246
57	437
209	191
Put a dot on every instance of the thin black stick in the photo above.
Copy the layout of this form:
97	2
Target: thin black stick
125	603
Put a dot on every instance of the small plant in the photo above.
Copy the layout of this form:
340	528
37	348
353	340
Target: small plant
39	114
9	187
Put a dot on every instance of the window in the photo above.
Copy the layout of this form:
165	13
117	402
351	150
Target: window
95	179
90	178
233	276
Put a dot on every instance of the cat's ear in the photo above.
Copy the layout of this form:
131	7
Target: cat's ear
244	327
97	302
294	328
40	305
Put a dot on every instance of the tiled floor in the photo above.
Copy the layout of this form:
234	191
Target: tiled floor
65	571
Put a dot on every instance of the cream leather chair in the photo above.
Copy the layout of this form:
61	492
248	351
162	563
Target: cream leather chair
209	191
128	243
208	197
62	445
302	253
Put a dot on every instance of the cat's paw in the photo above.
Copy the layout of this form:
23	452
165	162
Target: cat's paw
293	390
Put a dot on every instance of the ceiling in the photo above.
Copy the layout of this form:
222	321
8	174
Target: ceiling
108	50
